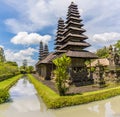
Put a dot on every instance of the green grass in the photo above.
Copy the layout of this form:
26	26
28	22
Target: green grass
5	86
53	100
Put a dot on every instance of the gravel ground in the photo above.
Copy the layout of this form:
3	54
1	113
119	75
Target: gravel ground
73	89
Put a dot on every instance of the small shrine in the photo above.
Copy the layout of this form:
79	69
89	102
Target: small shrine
108	67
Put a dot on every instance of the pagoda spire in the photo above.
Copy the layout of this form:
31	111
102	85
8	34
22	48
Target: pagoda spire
60	31
74	39
46	51
41	51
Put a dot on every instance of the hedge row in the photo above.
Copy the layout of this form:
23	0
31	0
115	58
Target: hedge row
53	100
7	75
5	86
45	92
4	95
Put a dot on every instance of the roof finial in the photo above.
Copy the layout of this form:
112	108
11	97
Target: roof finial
72	3
60	18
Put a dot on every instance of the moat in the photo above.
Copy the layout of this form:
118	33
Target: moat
26	103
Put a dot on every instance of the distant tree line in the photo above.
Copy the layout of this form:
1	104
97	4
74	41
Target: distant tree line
7	68
25	68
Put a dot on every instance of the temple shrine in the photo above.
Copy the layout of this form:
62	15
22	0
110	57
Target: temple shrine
71	40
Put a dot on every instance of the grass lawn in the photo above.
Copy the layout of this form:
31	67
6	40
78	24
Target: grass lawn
6	84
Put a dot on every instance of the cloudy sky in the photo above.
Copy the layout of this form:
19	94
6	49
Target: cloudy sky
23	23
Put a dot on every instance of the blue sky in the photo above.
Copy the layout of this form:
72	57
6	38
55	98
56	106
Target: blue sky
23	23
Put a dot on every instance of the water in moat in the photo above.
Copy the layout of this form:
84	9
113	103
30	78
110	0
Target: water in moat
25	103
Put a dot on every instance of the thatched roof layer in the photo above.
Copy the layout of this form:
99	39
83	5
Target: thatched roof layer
80	44
104	62
81	54
48	59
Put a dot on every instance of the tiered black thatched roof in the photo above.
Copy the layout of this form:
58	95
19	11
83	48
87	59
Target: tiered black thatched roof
70	38
41	51
46	51
82	54
47	59
59	35
74	39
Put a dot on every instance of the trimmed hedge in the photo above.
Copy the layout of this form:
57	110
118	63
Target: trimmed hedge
5	86
53	100
7	76
4	95
45	92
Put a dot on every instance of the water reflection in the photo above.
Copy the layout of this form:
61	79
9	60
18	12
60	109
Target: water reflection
25	102
108	110
22	89
105	108
25	81
94	108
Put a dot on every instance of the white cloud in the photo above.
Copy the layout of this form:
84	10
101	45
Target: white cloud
27	39
103	39
35	15
91	49
21	55
106	37
2	46
99	17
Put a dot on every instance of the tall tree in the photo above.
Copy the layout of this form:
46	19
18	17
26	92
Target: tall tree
24	63
2	56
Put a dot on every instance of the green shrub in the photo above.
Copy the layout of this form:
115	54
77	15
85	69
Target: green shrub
53	100
61	73
4	95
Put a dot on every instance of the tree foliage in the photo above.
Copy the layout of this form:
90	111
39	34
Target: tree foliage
25	63
23	68
27	69
30	69
61	73
11	63
117	45
2	56
8	69
103	52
